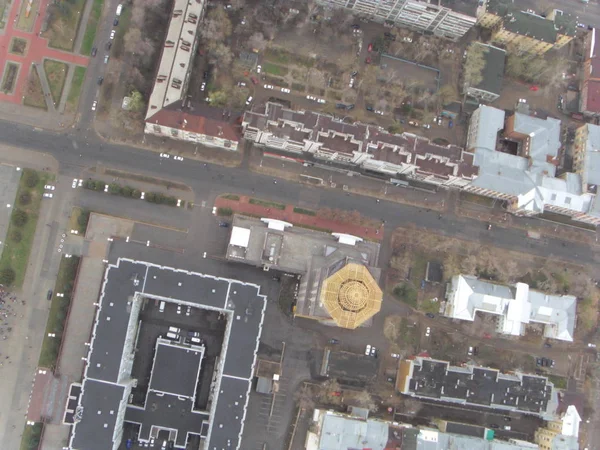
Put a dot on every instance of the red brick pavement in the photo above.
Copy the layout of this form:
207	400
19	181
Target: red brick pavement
244	207
37	49
41	383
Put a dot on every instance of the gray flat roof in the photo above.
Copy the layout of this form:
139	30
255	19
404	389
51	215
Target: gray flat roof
99	405
227	422
111	353
175	370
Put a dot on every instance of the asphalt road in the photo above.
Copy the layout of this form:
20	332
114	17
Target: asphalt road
78	150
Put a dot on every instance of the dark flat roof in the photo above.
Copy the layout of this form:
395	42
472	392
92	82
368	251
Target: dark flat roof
231	411
100	406
175	370
465	429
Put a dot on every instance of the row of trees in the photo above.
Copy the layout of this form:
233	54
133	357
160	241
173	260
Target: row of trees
130	192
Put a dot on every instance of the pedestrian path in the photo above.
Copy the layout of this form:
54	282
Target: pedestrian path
297	217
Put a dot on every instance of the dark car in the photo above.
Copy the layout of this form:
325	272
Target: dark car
350	107
116	22
108	45
507	419
49	295
494	425
430	315
224	224
205	75
340	105
333	341
94	51
356	26
353	74
390	36
547	344
450	124
100	80
369	108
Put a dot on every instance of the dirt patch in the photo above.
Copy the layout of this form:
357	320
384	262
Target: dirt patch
18	46
11	71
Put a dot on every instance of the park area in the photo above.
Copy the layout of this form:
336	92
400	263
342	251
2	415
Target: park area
9	78
63	23
56	74
34	94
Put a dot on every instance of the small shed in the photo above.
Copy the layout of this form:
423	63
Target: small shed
434	272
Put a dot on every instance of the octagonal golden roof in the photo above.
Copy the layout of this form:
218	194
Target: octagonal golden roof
351	296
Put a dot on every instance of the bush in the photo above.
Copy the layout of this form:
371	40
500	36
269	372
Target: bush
115	189
126	191
136	193
19	218
225	212
25	199
83	218
16	236
406	293
7	276
31	178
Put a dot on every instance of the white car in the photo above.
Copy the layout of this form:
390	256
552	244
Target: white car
203	86
470	351
74	185
249	100
268	86
106	57
321	100
407	39
165	155
188	311
590	345
48	194
310	97
428	332
378	112
427	126
178	309
395	355
106	188
285	90
49	187
368	350
178	158
94	105
80	183
112	34
351	84
142	196
241	84
258	68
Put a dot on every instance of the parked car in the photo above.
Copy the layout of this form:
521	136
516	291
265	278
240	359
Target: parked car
268	86
100	80
450	124
49	294
258	68
470	351
428	332
321	100
370	108
48	195
249	100
333	341
285	90
368	60
350	107
370	48
115	22
106	57
112	34
94	105
427	126
374	352
430	315
395	355
108	45
368	350
94	51
254	80
413	123
340	105
203	86
49	187
354	74
224	224
310	97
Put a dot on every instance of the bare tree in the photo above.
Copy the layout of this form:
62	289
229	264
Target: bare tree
365	400
217	25
138	15
257	41
474	65
220	54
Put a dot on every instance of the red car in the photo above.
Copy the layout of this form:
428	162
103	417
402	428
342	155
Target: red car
487	335
254	80
368	60
370	48
533	88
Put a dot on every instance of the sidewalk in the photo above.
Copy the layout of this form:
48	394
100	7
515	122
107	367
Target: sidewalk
243	206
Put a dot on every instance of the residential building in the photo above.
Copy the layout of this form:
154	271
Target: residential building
586	156
432	439
169	112
589	99
423	16
471	385
517	158
515	306
560	434
338	278
490	86
527	31
404	156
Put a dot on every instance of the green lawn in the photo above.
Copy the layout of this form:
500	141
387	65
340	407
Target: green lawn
16	254
92	26
75	91
56	74
274	69
59	310
64	24
79	220
34	95
31	436
266	204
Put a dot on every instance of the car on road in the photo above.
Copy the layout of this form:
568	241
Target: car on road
49	187
165	155
370	48
412	123
370	108
108	45
100	81
430	315
94	105
48	195
178	158
112	34
470	351
223	224
106	57
49	294
203	86
285	90
368	60
368	350
334	341
249	100
254	80
494	425
427	126
178	309
115	22
428	332
94	51
310	97
395	355
450	124
321	100
258	68
268	86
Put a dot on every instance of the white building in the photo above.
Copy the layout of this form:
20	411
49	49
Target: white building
169	115
515	305
426	17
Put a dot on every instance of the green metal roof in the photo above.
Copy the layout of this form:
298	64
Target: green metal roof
527	24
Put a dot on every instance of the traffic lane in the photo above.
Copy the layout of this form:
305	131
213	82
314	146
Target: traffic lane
66	148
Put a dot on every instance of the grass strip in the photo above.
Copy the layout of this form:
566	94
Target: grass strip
75	91
91	28
266	204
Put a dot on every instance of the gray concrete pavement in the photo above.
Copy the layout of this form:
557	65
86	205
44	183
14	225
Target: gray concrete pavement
9	182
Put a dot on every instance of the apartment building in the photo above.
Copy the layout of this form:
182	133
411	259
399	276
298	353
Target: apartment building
527	31
169	112
405	156
490	86
422	16
589	99
586	156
